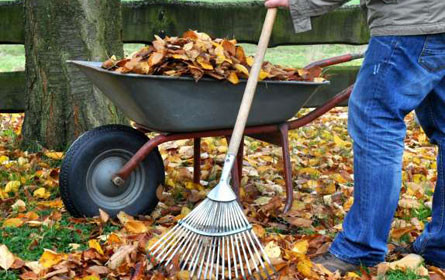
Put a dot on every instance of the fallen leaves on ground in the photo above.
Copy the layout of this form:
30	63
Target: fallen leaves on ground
39	240
197	55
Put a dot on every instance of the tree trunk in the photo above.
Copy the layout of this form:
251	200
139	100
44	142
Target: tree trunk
61	102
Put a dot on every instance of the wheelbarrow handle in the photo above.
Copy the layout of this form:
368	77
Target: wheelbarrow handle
334	60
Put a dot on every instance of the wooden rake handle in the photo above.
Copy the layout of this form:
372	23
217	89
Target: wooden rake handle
252	82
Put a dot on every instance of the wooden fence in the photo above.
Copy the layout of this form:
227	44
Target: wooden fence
241	20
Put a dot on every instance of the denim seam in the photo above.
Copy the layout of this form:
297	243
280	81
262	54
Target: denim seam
427	238
369	107
423	54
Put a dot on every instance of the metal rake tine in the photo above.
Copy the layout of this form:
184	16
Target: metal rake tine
214	240
258	243
178	246
170	246
199	219
208	248
239	221
195	259
235	263
206	223
204	255
237	245
240	217
192	245
173	244
218	256
196	211
266	258
161	240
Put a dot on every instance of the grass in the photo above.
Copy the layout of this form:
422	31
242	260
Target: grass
28	242
402	275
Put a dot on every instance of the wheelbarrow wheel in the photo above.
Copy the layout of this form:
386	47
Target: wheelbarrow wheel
90	162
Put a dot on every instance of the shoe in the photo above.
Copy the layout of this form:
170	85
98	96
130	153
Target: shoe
332	263
404	250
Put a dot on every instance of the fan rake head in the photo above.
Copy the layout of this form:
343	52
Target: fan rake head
215	241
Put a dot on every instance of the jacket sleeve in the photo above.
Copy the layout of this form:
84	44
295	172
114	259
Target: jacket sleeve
302	10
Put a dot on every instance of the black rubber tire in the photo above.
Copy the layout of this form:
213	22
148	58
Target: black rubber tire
96	155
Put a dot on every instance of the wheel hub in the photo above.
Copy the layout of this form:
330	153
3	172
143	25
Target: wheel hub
99	182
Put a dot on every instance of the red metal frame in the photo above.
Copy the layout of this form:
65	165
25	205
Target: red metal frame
275	134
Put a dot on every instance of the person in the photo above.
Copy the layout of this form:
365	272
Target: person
403	70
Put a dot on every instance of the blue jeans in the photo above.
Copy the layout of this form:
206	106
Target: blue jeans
399	74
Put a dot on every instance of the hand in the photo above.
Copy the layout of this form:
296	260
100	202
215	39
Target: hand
276	3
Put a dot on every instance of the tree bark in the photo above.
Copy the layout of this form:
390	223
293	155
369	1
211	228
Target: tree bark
61	102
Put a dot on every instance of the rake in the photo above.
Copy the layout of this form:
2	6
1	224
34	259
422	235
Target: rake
215	240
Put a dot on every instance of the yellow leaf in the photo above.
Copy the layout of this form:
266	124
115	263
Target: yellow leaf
242	69
339	142
50	258
419	178
250	60
6	257
95	245
272	250
3	194
339	179
183	275
13	222
54	155
12	186
204	64
193	186
91	277
180	56
220	57
3	159
304	266
41	193
301	247
233	78
263	75
310	171
134	226
348	203
352	275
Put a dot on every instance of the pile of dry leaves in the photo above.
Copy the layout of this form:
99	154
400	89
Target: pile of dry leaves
195	54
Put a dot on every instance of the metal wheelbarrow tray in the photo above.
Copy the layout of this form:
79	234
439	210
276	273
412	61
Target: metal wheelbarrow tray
118	168
179	104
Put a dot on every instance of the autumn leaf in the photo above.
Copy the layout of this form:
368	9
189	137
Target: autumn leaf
54	155
50	258
6	257
12	186
13	222
95	245
41	193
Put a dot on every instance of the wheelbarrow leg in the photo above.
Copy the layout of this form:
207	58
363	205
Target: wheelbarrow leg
196	160
287	166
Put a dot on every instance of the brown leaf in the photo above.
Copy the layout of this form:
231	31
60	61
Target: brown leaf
120	255
299	222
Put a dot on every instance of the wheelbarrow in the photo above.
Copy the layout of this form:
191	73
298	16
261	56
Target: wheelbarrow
117	168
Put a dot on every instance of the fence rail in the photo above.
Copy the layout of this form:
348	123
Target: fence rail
240	20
